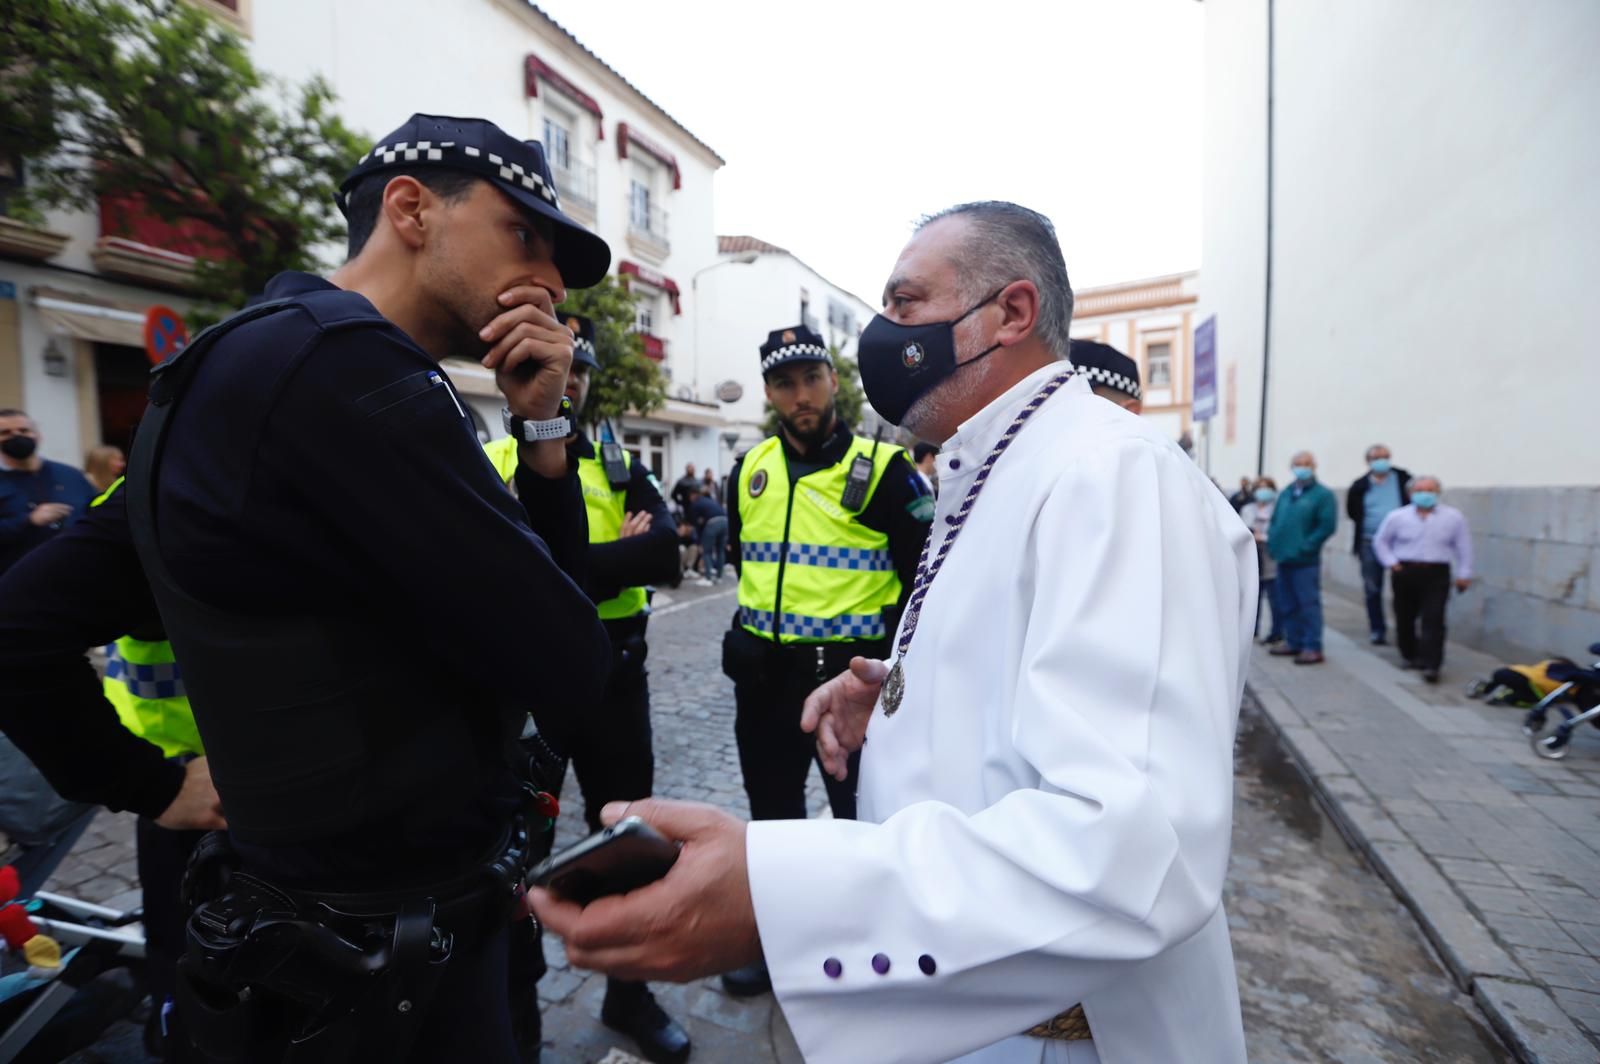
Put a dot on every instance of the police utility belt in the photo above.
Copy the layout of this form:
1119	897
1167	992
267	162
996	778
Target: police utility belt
275	973
752	659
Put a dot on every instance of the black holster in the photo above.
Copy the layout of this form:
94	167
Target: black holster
277	974
750	659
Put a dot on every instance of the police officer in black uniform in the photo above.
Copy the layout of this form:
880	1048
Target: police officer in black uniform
366	616
632	543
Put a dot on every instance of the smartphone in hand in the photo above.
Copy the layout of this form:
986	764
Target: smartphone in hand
623	857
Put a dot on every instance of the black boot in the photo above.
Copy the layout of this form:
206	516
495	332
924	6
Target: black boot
631	1009
748	981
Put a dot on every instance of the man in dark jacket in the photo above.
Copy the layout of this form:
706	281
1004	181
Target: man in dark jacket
1302	521
1375	494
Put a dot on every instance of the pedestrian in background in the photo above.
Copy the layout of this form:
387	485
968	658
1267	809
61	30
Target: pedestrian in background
1303	518
710	488
103	466
686	483
1257	515
1241	498
710	522
38	497
1425	544
1376	494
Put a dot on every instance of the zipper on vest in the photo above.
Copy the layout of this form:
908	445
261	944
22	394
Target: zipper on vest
783	556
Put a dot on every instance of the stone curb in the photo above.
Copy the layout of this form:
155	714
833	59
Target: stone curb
1524	1015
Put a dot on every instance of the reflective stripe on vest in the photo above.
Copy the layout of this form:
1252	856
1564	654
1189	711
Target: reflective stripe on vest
605	507
846	626
837	576
827	557
145	685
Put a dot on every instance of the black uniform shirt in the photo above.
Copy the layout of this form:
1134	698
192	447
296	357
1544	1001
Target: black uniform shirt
320	463
649	558
896	507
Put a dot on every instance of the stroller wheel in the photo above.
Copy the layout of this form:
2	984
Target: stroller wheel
1552	744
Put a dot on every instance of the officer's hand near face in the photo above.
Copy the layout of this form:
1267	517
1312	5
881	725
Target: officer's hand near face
531	353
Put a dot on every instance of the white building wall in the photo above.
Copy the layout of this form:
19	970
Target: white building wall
739	305
1233	242
1433	278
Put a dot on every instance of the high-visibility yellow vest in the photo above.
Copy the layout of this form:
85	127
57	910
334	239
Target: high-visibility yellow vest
144	684
605	506
809	571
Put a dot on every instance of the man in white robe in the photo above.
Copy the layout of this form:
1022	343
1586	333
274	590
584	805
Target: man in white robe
1045	816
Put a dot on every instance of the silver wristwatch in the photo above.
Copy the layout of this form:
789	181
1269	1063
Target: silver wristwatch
526	431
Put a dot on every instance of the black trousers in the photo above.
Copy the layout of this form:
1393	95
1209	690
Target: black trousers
774	754
613	758
612	753
162	857
1421	592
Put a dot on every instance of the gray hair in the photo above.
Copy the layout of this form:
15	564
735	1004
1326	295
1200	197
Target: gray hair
1420	477
1006	242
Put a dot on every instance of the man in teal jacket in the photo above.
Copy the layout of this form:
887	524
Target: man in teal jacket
1301	523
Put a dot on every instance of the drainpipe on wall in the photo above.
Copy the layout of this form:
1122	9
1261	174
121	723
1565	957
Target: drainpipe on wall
1266	301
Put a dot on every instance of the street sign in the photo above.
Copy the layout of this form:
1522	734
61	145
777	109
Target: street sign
164	334
1205	370
730	391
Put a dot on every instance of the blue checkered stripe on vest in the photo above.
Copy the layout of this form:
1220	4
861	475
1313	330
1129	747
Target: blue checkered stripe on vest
845	626
871	561
145	681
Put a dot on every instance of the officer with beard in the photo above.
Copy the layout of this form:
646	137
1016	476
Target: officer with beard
825	530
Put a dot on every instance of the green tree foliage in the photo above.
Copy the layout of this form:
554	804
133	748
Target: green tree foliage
849	402
158	103
628	382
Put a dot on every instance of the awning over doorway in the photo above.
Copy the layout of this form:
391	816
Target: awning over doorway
85	318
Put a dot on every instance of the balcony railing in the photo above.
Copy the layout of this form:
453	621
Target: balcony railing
654	347
575	182
648	226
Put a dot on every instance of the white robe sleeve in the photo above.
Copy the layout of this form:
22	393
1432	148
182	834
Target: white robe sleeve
1125	702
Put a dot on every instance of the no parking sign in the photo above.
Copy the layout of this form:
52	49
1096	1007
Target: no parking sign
164	334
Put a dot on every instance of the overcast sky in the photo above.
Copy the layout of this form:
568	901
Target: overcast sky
842	122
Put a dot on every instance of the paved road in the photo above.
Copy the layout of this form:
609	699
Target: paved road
1331	967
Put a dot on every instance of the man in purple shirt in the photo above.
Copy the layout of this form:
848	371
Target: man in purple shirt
1424	544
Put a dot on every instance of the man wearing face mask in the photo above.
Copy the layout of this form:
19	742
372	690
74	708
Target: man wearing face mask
824	530
1037	873
38	497
1303	518
1374	495
1427	545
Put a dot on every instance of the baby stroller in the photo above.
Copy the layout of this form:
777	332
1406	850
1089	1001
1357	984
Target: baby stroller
1577	699
57	1000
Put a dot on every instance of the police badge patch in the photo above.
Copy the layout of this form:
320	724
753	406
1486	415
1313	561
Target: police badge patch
758	483
912	355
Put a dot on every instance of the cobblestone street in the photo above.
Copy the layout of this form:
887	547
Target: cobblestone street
1331	966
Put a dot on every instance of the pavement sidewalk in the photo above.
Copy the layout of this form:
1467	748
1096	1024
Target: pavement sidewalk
1495	850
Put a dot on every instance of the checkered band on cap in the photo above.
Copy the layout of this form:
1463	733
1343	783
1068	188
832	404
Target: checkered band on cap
1111	380
461	157
794	351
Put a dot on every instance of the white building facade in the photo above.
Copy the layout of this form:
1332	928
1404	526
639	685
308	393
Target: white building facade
1152	322
754	288
1400	250
623	166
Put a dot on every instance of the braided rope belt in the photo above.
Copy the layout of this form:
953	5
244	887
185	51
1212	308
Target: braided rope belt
1070	1026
